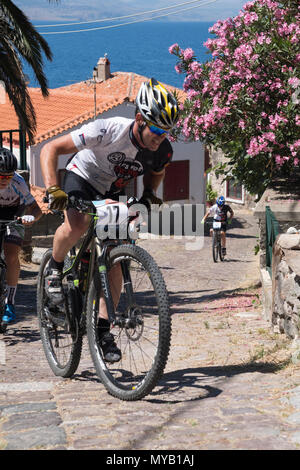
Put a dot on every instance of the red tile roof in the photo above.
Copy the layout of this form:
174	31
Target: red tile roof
38	194
71	105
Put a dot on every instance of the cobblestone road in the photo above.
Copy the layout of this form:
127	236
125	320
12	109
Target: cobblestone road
229	381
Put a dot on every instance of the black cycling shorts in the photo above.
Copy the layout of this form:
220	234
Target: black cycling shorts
12	235
75	185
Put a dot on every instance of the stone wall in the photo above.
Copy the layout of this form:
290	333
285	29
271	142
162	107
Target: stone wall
284	201
285	205
286	285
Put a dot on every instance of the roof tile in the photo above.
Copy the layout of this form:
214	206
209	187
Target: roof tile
71	105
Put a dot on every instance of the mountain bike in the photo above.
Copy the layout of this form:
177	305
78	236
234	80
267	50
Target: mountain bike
4	224
216	241
140	321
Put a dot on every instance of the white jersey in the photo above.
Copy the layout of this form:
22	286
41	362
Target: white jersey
103	144
108	155
16	193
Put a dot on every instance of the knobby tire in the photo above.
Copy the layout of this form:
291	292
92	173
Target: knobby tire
62	349
215	249
145	347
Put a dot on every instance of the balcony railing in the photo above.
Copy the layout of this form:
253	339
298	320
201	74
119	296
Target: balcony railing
9	138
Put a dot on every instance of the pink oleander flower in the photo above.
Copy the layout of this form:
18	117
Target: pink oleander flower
248	90
173	48
294	82
250	18
188	54
195	67
279	160
270	136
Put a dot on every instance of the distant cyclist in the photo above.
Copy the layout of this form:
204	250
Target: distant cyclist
219	212
15	200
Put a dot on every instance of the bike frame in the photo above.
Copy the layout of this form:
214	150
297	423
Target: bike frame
217	231
99	251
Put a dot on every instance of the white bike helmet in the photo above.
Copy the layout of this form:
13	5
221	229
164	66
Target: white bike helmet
157	106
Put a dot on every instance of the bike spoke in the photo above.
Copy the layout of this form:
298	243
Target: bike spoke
138	330
62	348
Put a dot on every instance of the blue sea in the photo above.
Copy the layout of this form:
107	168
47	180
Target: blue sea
141	48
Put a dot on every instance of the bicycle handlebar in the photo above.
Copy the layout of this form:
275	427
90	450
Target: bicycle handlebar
83	205
10	221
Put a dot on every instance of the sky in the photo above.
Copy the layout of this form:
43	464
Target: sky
84	10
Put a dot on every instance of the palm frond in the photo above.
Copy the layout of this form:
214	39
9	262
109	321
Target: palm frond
12	75
26	40
19	41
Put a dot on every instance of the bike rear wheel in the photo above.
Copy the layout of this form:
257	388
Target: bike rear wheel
62	347
215	246
143	329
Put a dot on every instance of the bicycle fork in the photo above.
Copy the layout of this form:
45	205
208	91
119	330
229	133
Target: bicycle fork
105	284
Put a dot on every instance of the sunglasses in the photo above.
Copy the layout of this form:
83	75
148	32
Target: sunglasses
6	177
156	130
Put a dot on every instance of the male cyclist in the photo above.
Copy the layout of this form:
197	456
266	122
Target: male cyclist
107	154
15	199
219	212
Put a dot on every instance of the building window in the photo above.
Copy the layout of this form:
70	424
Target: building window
234	190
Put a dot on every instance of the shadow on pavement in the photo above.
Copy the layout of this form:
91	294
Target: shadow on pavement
25	274
14	335
185	380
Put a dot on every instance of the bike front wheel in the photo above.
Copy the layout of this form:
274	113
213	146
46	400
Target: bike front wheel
221	255
62	345
143	325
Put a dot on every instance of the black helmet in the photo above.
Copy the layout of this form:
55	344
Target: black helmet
8	162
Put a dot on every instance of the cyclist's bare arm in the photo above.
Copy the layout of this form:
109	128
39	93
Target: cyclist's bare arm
153	179
49	157
206	215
